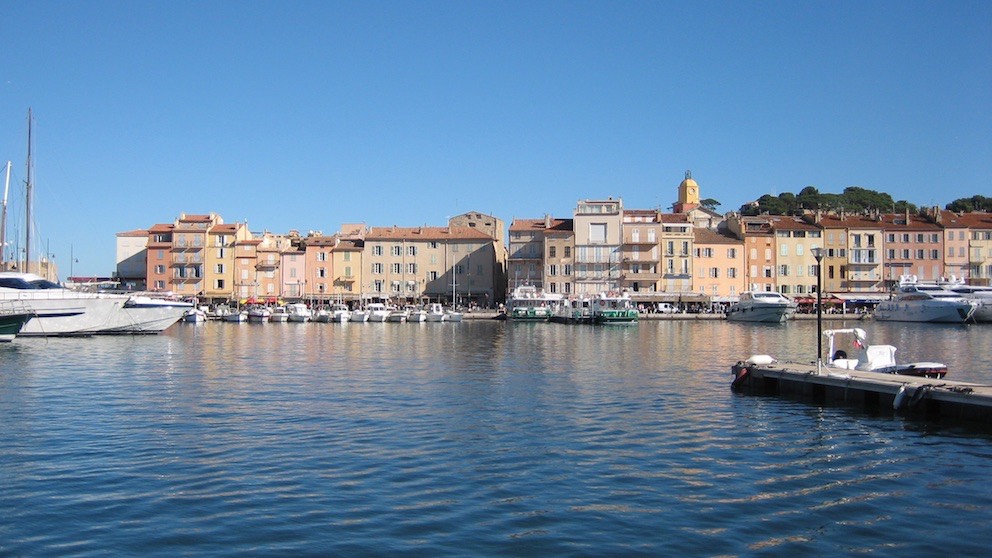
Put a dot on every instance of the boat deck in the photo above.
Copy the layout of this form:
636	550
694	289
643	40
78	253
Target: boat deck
926	396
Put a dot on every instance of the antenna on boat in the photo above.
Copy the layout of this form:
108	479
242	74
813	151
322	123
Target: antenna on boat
3	222
27	207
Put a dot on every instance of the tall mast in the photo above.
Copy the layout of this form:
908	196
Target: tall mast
27	207
3	222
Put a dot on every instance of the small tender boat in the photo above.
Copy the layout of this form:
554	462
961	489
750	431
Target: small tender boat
359	316
377	312
259	314
398	315
236	316
195	316
415	315
762	306
849	350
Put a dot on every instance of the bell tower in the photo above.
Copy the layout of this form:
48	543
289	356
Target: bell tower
688	194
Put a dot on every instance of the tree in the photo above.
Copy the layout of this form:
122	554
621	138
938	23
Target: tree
974	203
710	203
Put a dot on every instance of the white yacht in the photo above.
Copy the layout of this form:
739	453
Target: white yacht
398	315
914	301
279	315
259	314
61	311
359	315
416	315
762	306
981	296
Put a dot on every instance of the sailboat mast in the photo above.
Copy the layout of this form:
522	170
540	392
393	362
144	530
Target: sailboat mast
27	208
3	222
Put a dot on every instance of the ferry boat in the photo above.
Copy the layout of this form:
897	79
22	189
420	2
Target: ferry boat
573	310
527	303
915	301
762	306
614	308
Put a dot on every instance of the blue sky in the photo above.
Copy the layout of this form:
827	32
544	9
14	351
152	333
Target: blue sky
307	115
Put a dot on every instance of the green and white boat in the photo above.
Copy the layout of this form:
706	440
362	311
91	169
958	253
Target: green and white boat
614	308
529	304
13	316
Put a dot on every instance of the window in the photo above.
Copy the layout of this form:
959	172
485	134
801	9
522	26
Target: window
551	252
347	271
322	272
377	268
346	256
783	270
378	285
732	272
597	232
377	251
411	250
714	272
396	250
219	284
411	268
395	268
159	269
160	255
568	251
292	273
732	253
934	254
783	250
566	270
460	269
321	256
433	245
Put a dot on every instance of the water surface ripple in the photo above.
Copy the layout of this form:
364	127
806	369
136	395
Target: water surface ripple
479	438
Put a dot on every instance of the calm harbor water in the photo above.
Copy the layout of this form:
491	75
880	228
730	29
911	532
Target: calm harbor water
479	438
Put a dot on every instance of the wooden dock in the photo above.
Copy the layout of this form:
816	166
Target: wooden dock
926	397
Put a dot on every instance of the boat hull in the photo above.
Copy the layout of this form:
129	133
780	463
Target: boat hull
770	315
924	312
12	324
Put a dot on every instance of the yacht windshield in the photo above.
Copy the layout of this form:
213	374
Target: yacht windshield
16	283
44	284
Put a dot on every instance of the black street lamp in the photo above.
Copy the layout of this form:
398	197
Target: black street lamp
818	254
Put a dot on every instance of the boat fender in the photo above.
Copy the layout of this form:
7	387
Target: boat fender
900	398
919	395
760	360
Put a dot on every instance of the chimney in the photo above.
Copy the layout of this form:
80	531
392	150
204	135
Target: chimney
547	221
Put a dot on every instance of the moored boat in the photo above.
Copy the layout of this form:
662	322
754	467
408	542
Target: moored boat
915	301
435	312
762	306
530	304
857	354
13	316
340	313
573	310
299	312
614	308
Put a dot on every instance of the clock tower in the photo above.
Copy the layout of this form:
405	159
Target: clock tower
688	194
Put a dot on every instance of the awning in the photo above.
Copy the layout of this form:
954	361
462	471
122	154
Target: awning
861	297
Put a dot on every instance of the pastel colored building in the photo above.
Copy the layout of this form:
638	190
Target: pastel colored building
719	265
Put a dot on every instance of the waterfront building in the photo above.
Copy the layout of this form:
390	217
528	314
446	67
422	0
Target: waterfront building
159	258
318	266
597	225
759	250
411	264
979	247
677	238
495	228
132	260
956	238
795	270
559	249
219	260
719	264
245	273
525	261
913	246
292	270
640	260
346	264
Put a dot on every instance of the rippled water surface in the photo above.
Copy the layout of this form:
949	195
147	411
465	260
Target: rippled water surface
479	438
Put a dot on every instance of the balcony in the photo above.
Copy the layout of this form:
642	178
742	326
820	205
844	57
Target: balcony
266	264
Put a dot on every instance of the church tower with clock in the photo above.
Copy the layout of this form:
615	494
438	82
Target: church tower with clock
688	195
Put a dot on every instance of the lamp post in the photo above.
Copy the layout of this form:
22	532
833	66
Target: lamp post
818	254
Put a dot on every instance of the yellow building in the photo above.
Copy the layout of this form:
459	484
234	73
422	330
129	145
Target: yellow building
219	260
719	265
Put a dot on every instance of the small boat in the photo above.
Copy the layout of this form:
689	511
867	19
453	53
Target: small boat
416	315
340	313
453	315
359	315
762	306
859	355
435	313
299	312
398	315
614	308
12	318
259	314
980	295
196	315
377	312
915	301
236	316
280	315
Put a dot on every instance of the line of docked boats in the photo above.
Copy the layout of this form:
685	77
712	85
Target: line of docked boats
49	309
299	312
